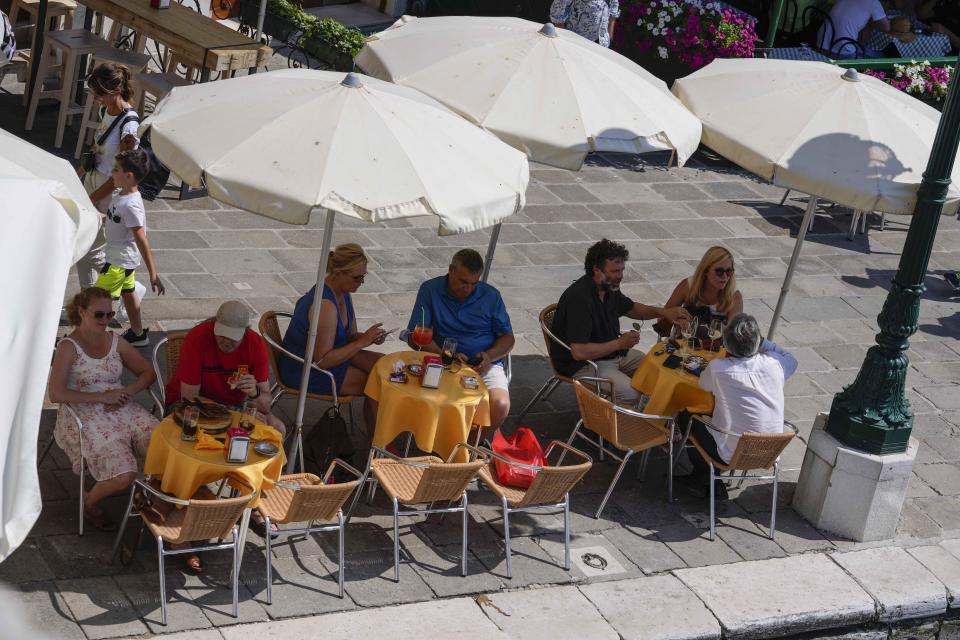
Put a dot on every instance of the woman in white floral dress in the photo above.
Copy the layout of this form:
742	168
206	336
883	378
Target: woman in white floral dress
86	374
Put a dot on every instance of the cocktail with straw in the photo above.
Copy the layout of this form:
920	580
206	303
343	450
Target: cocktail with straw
422	335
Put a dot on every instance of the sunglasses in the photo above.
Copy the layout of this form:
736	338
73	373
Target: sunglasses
100	315
720	271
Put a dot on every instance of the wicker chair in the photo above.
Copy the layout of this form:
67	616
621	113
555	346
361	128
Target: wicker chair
549	490
172	343
304	497
197	521
270	330
754	451
73	414
546	326
629	431
424	480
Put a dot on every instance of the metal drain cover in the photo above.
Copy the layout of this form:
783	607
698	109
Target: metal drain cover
595	561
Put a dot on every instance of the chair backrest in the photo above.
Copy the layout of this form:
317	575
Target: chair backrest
172	344
553	483
598	414
270	328
208	519
315	500
759	450
546	327
812	20
445	481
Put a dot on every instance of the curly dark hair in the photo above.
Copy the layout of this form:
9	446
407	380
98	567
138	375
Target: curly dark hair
599	253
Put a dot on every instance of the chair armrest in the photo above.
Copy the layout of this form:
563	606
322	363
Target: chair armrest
600	383
386	454
157	402
159	494
709	425
313	365
637	414
343	465
474	451
73	414
546	330
513	463
792	427
568	448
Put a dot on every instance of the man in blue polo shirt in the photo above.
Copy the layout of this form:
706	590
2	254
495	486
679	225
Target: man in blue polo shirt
471	312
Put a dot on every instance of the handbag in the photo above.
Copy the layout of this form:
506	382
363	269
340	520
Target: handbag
522	447
327	441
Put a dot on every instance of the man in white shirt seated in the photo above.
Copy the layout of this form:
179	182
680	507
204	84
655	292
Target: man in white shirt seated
850	18
747	386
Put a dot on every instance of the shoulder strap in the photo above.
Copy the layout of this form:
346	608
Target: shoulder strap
122	118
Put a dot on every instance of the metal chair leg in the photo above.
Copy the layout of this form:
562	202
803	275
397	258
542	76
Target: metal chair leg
773	507
670	468
82	472
570	440
542	393
784	198
613	483
46	450
360	486
601	454
396	541
566	531
506	537
340	551
712	502
266	521
642	467
743	475
236	569
123	527
163	582
463	561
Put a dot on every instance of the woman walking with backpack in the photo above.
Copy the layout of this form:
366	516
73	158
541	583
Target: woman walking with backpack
112	89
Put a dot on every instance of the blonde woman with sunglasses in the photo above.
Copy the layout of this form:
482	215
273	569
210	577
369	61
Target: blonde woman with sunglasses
710	292
86	372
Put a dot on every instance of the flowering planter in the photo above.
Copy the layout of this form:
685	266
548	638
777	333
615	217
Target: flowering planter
323	51
921	80
649	57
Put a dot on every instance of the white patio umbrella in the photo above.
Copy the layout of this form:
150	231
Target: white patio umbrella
549	92
286	143
50	223
816	128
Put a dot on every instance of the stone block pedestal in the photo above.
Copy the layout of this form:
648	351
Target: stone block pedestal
850	493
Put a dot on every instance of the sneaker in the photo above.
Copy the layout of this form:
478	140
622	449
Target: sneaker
137	340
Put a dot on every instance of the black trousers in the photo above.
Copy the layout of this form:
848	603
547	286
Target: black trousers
703	436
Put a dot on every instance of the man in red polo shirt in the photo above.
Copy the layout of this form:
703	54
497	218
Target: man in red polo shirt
223	360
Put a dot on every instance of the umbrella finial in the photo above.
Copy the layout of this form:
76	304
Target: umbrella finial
851	75
549	30
352	80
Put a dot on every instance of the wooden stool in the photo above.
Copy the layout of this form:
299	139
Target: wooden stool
135	62
59	12
156	84
72	43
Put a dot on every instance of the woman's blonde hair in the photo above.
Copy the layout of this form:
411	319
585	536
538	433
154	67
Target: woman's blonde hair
82	301
698	283
346	257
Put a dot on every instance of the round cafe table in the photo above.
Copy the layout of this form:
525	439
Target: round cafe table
671	390
438	418
182	469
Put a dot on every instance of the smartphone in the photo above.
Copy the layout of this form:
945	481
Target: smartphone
386	333
672	361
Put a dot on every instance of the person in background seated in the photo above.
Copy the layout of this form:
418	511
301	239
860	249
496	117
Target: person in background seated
747	386
849	19
86	374
214	353
340	348
588	320
592	19
457	305
711	291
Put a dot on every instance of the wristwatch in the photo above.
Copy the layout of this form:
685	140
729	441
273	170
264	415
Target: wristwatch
256	395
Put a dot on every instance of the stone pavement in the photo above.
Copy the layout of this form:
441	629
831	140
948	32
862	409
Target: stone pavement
667	217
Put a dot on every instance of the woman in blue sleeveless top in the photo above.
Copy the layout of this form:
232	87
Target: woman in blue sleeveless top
340	349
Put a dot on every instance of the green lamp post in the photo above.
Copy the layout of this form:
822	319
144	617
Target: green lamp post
872	414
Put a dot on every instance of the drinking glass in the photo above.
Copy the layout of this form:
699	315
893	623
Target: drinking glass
248	418
689	331
191	417
448	352
422	336
715	331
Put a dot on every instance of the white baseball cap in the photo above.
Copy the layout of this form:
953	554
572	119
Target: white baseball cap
233	318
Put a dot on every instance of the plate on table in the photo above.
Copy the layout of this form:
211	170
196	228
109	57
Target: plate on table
266	449
214	417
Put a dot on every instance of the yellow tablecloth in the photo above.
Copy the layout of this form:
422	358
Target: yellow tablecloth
439	418
671	390
182	469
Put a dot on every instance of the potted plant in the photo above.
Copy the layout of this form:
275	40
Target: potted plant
919	79
671	38
331	42
282	19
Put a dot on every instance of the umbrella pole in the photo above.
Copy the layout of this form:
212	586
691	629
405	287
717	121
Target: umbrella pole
801	234
494	236
311	338
260	16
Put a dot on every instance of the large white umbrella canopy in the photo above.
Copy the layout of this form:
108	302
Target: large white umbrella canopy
286	143
811	126
49	223
549	92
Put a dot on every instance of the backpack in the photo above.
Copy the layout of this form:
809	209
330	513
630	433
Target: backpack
158	174
8	43
327	441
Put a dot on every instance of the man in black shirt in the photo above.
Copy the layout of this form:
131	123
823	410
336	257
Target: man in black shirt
588	320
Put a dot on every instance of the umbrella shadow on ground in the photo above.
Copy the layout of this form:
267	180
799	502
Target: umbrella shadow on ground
882	279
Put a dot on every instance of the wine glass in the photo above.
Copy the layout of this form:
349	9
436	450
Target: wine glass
422	336
689	330
715	331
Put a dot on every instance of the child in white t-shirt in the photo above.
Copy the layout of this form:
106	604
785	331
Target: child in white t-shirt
125	230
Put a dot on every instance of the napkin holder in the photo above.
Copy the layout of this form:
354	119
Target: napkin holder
235	447
432	369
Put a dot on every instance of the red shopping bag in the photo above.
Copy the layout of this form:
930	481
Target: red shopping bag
521	447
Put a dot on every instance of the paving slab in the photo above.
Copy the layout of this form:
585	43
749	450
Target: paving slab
101	608
901	585
654	608
39	605
593	557
945	566
804	593
644	549
563	613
